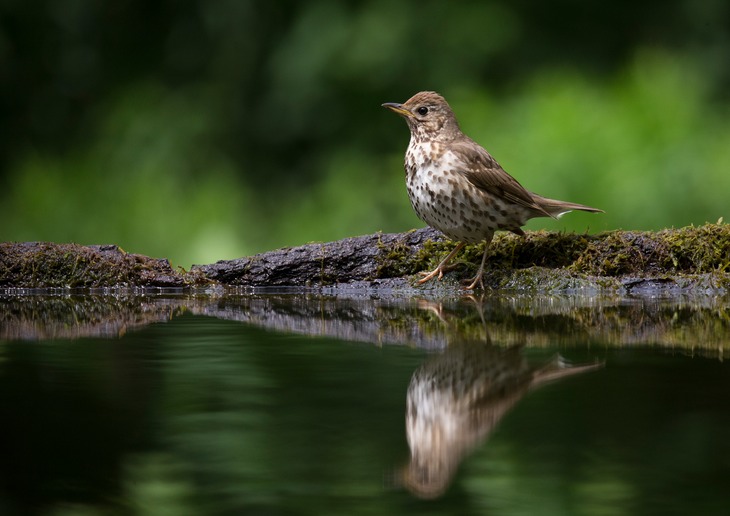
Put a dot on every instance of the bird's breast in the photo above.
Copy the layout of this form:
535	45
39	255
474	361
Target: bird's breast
444	199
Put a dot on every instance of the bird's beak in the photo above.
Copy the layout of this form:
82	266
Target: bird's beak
398	108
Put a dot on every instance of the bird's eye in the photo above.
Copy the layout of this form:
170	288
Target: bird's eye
422	110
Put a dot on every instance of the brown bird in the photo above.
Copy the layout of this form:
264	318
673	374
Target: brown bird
455	401
457	187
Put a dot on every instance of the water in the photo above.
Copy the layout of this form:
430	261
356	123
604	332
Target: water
310	404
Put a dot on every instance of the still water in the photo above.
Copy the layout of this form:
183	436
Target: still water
282	403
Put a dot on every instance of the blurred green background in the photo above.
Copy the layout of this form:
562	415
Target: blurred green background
204	130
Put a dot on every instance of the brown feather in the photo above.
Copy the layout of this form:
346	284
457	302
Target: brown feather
557	208
483	171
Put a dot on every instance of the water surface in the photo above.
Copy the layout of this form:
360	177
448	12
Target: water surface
275	403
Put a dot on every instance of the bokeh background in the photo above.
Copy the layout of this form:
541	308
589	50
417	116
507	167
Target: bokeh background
204	130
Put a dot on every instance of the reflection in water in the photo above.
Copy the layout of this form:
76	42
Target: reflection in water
700	324
191	413
456	398
71	316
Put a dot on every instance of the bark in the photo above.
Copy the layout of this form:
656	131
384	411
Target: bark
363	258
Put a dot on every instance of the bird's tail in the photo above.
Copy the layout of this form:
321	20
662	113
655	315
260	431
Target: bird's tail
560	368
557	209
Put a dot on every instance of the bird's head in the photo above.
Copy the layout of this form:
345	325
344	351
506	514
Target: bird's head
428	115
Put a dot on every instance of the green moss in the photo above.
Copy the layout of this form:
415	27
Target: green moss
582	259
431	253
400	260
688	250
48	265
689	256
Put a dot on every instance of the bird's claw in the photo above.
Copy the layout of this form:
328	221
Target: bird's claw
427	276
438	273
477	281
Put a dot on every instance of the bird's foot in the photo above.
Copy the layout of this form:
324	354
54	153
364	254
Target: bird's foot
427	276
473	283
442	267
438	271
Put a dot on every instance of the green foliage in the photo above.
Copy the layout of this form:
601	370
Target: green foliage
208	130
648	147
150	181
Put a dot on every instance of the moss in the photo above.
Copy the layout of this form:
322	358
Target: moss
46	265
583	260
400	260
690	257
699	249
688	250
431	254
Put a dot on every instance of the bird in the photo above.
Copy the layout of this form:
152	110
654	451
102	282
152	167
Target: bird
457	398
458	188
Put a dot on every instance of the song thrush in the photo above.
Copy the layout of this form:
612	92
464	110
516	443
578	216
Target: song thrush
457	187
456	399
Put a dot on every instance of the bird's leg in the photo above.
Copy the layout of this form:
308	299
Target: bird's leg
441	268
478	280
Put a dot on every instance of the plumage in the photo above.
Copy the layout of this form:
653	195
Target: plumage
457	398
457	187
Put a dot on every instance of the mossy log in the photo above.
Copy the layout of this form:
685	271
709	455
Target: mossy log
672	259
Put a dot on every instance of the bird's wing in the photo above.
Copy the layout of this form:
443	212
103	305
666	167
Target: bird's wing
483	171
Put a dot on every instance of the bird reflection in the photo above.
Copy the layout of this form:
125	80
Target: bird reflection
456	399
